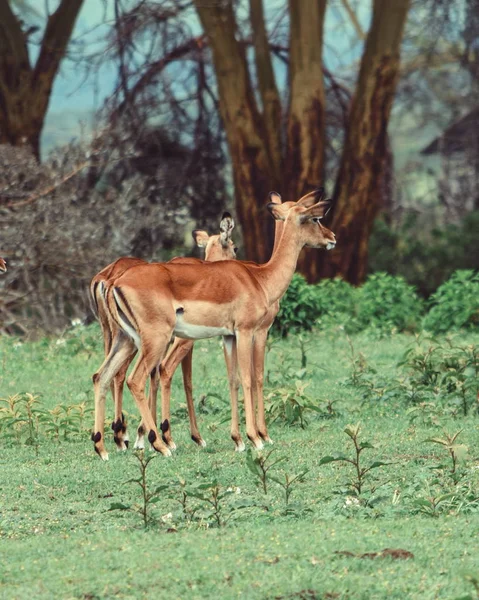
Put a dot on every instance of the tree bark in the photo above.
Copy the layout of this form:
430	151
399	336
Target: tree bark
268	89
306	114
25	89
245	129
358	187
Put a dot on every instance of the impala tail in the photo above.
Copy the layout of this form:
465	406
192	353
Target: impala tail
120	311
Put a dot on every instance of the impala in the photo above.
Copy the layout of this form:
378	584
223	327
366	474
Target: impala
3	266
154	302
217	247
259	347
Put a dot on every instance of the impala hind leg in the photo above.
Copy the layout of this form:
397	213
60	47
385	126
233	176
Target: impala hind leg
121	351
244	340
259	349
120	434
231	360
187	369
181	352
151	355
152	396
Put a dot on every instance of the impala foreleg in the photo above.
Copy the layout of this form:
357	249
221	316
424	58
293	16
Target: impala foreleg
259	349
244	340
122	349
231	360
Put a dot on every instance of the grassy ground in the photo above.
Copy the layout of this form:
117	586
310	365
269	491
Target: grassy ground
58	538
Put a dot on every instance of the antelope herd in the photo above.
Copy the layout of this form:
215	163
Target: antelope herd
158	309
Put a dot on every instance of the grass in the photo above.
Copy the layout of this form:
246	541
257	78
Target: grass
60	540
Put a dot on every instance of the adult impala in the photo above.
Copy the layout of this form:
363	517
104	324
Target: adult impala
152	303
217	247
229	345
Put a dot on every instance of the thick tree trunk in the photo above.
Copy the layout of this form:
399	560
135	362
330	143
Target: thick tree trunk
245	129
306	115
25	90
358	187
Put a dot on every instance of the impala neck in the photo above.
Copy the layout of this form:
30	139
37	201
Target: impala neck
276	274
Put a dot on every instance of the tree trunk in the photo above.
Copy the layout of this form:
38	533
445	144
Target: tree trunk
306	115
25	90
252	163
358	187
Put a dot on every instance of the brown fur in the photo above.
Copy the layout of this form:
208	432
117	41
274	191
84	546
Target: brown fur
234	296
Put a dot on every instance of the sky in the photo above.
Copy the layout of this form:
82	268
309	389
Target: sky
72	104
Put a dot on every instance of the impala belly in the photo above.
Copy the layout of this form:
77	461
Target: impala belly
198	328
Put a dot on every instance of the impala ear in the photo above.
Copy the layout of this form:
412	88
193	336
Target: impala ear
317	211
226	227
201	237
311	198
277	210
274	198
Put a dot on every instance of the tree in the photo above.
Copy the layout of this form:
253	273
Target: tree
25	88
254	140
277	139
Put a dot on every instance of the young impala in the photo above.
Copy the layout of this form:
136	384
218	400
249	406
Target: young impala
217	247
152	303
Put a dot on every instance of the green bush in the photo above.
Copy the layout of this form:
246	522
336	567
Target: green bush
298	309
425	254
303	304
455	304
387	302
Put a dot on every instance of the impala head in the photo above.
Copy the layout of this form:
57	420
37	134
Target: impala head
3	266
220	246
304	217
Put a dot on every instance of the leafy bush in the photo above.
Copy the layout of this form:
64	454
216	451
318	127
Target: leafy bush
303	304
424	253
387	302
298	309
455	304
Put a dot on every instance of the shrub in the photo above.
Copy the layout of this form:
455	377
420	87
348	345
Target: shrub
455	304
303	304
387	301
298	309
424	252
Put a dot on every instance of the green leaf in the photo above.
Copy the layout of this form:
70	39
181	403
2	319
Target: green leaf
119	506
378	463
328	459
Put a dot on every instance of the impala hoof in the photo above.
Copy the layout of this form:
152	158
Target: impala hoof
198	440
139	444
240	447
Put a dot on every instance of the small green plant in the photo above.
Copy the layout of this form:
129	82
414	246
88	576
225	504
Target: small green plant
22	413
216	510
457	452
442	372
288	483
260	466
148	497
455	303
291	405
357	482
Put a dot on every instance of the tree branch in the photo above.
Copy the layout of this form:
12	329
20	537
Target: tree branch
55	41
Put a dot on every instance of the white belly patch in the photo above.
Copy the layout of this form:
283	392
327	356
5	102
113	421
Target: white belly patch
196	332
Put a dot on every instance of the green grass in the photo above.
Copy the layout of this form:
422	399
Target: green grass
59	540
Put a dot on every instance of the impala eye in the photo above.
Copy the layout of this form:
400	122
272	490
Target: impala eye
235	249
